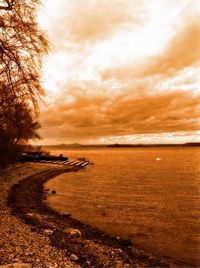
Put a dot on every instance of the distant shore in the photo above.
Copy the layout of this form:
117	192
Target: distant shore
118	145
51	244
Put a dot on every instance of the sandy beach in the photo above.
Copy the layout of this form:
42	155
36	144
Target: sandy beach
34	234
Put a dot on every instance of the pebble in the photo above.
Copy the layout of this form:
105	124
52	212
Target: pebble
73	257
48	231
73	233
30	214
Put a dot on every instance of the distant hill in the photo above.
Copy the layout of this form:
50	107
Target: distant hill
117	145
193	144
63	146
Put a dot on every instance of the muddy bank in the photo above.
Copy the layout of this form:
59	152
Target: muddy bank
87	246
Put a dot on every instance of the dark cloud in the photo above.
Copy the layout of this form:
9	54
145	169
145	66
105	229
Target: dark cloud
94	118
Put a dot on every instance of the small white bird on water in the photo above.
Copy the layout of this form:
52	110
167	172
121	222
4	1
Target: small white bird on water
158	158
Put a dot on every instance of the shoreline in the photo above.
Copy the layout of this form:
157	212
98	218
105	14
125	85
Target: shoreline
91	248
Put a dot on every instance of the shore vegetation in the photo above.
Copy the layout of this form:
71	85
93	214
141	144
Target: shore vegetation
22	45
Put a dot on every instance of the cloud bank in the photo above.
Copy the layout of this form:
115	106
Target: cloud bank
98	95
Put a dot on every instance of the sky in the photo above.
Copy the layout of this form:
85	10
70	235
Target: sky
121	71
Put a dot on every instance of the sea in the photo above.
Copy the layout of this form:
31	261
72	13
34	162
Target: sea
148	195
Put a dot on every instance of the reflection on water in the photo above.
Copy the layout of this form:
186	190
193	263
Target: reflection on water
128	192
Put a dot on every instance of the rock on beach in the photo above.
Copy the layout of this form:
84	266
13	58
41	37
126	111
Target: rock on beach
73	233
73	257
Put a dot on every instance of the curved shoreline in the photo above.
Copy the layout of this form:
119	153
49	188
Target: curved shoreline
94	249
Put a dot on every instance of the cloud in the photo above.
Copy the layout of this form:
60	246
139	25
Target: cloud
88	21
182	51
102	117
99	19
98	94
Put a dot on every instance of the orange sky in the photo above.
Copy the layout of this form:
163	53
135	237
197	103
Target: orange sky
121	71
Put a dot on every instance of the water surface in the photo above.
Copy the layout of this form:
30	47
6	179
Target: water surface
150	195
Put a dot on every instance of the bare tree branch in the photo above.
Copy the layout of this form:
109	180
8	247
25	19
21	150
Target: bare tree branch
8	6
22	44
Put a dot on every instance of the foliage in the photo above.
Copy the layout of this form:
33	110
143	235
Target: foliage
22	45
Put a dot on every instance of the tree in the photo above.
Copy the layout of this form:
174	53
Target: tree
22	45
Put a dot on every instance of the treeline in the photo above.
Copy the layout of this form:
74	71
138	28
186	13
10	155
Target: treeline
116	145
22	45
